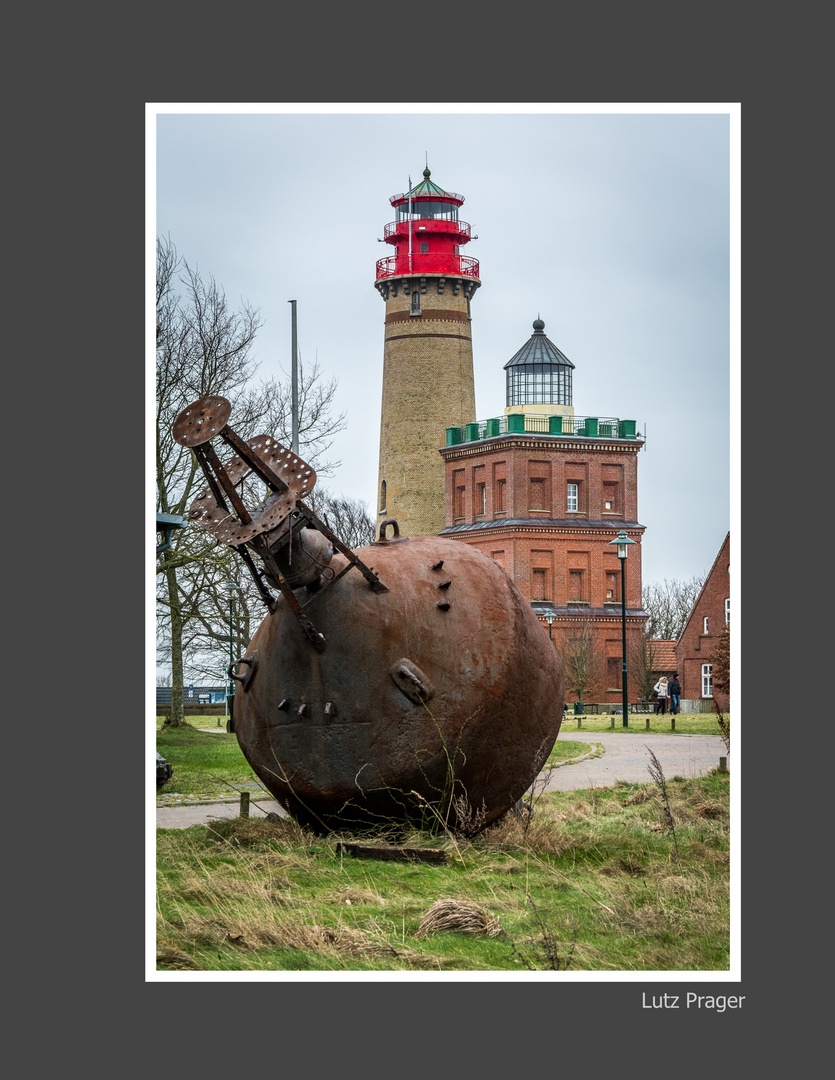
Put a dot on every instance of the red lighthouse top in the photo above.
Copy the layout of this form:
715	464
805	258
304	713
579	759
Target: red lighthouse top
427	234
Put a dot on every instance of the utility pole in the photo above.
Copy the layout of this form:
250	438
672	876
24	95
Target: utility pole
294	382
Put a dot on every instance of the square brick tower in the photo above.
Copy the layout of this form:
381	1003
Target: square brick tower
428	352
544	492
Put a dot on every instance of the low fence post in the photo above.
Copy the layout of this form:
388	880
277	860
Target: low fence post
244	804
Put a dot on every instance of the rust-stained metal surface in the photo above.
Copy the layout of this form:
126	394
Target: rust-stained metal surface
442	695
295	473
419	690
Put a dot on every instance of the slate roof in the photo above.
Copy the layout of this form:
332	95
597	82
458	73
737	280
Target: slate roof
539	349
542	522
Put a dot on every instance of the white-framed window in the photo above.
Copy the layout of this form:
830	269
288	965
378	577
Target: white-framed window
727	610
572	497
707	680
704	629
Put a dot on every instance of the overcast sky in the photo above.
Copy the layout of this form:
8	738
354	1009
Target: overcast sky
617	226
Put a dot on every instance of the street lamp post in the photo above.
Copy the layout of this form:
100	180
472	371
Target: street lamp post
549	619
622	541
230	689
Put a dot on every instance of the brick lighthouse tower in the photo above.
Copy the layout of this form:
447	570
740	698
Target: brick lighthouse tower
428	352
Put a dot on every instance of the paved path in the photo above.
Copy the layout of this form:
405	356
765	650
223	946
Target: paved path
182	817
626	757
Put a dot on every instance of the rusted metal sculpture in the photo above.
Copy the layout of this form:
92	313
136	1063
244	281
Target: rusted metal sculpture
420	690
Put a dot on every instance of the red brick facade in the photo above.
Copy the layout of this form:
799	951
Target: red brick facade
694	649
510	497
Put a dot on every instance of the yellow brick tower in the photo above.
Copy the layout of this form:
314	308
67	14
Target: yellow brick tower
428	380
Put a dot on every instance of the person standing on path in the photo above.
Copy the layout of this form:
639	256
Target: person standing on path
661	690
674	688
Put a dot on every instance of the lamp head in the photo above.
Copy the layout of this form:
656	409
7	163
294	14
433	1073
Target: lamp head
622	541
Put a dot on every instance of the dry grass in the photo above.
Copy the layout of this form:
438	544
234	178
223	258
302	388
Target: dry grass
707	808
252	932
633	865
515	833
584	882
458	917
642	795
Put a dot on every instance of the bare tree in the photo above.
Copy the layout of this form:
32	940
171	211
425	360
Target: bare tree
669	603
582	657
641	665
349	518
721	661
204	347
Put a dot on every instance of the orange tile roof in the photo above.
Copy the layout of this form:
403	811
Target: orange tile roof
663	655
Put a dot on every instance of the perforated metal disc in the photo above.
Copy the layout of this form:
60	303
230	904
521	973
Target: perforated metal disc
201	421
295	473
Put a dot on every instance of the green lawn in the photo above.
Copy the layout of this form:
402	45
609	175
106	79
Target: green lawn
685	723
205	763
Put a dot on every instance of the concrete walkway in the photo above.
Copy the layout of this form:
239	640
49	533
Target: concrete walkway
625	757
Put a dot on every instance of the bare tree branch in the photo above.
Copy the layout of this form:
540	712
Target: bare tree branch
669	603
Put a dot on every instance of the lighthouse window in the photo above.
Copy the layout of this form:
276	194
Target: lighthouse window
538	384
415	303
571	502
443	211
424	248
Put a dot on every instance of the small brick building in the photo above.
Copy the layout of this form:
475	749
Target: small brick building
544	493
696	644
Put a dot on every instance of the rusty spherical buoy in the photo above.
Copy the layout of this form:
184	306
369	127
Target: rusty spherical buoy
436	701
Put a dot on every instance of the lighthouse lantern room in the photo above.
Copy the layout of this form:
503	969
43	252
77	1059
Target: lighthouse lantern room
427	234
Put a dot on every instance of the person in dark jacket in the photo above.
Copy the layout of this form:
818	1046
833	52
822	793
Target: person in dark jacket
674	690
